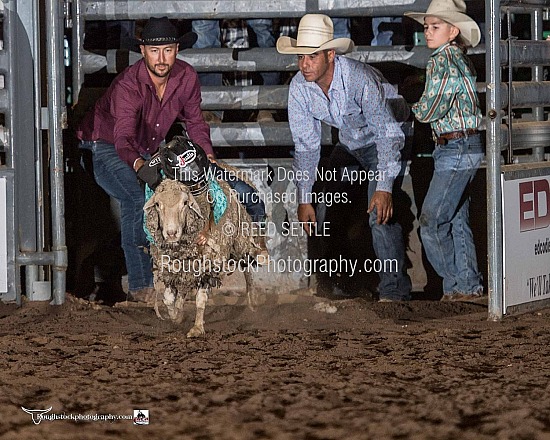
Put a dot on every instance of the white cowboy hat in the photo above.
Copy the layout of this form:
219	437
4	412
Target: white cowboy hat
453	12
315	33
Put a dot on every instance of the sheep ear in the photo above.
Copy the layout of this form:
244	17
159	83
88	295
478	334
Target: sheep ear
150	203
195	206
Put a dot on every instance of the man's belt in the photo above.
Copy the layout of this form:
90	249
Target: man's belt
444	138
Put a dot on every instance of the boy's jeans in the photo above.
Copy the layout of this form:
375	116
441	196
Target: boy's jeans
444	223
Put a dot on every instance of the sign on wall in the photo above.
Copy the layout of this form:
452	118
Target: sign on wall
526	223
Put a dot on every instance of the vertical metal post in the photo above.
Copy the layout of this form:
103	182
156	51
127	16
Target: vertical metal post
494	189
537	75
32	272
20	117
56	122
510	153
30	20
35	43
77	42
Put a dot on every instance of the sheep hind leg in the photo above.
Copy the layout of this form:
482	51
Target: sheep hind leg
198	328
250	291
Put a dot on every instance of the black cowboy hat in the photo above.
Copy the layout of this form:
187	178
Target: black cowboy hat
160	31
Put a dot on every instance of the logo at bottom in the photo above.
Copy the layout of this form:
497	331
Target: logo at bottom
141	417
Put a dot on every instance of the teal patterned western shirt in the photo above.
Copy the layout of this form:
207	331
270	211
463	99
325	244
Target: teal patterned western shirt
449	102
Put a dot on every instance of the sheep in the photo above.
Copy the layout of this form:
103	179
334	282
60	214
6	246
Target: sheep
174	218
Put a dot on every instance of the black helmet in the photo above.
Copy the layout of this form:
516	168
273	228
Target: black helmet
185	161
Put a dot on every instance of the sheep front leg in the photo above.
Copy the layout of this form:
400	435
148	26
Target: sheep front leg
198	328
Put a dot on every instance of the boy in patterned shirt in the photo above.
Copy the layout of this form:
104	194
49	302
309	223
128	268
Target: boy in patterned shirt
451	105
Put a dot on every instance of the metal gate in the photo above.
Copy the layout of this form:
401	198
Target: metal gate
32	203
505	133
31	171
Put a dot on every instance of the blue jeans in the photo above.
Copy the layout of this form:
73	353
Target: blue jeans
444	223
383	38
120	181
341	27
263	28
208	35
387	239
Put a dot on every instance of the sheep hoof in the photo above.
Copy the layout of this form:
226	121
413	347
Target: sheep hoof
176	315
157	311
195	332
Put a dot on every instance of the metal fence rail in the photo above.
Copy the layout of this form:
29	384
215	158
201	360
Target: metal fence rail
255	59
191	9
525	53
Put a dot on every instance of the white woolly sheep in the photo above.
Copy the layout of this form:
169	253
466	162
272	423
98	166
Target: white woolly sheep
175	218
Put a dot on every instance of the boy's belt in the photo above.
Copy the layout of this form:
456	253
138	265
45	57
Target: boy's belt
444	138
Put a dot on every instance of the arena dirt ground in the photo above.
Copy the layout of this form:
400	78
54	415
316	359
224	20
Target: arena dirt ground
290	370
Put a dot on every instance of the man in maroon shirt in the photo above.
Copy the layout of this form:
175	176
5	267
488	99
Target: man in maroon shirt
127	125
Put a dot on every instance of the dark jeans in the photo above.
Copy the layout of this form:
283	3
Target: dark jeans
387	239
120	182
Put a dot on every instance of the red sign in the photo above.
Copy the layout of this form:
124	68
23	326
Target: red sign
534	205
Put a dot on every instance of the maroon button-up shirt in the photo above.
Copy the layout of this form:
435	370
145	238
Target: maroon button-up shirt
130	115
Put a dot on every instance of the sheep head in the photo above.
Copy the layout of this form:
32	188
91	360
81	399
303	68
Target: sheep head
176	208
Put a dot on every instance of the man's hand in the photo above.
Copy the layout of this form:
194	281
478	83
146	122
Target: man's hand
306	215
138	164
147	173
383	203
